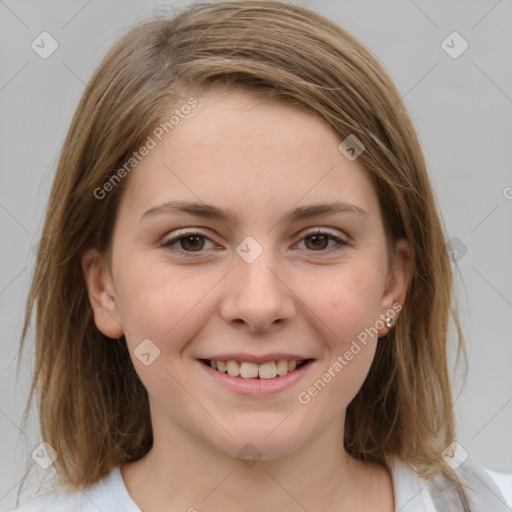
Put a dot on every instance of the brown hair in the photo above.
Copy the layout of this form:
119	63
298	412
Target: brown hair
86	385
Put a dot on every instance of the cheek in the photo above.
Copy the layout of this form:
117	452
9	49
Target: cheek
166	306
159	302
336	384
347	300
347	307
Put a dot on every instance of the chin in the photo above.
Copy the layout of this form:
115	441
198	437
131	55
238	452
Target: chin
265	441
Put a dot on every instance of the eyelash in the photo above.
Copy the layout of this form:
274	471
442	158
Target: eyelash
169	243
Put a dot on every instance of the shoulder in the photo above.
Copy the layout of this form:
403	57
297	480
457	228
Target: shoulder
57	500
482	490
414	494
108	494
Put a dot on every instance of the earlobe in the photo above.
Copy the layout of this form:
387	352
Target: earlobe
101	294
397	284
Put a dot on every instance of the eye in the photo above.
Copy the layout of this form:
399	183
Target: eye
319	240
189	242
193	241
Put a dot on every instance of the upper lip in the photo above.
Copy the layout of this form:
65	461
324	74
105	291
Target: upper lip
253	358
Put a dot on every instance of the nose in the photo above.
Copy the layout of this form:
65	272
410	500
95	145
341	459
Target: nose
257	296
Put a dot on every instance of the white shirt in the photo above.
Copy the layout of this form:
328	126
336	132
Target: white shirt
412	494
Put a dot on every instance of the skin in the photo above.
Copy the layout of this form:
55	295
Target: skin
260	159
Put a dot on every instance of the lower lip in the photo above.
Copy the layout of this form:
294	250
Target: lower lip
258	387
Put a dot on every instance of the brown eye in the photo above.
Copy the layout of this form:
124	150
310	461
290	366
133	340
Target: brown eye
319	242
192	242
188	243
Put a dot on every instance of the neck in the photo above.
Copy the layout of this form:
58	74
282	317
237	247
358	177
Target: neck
184	472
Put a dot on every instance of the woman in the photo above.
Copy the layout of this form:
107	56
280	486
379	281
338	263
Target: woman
243	283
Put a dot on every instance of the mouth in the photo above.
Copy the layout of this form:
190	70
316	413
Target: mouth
256	371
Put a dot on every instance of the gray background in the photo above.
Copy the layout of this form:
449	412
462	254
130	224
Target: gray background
462	108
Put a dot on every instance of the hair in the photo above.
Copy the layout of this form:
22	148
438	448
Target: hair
86	385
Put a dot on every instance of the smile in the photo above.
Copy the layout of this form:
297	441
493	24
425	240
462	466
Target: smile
260	377
250	370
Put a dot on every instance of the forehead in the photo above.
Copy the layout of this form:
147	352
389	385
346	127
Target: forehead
253	155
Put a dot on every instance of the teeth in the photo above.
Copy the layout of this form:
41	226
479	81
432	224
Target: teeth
267	370
247	370
282	367
233	368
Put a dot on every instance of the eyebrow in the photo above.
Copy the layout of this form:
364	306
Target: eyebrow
207	211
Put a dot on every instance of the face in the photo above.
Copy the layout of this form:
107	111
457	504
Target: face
225	249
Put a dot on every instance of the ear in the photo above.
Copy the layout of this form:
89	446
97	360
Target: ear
395	292
101	293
